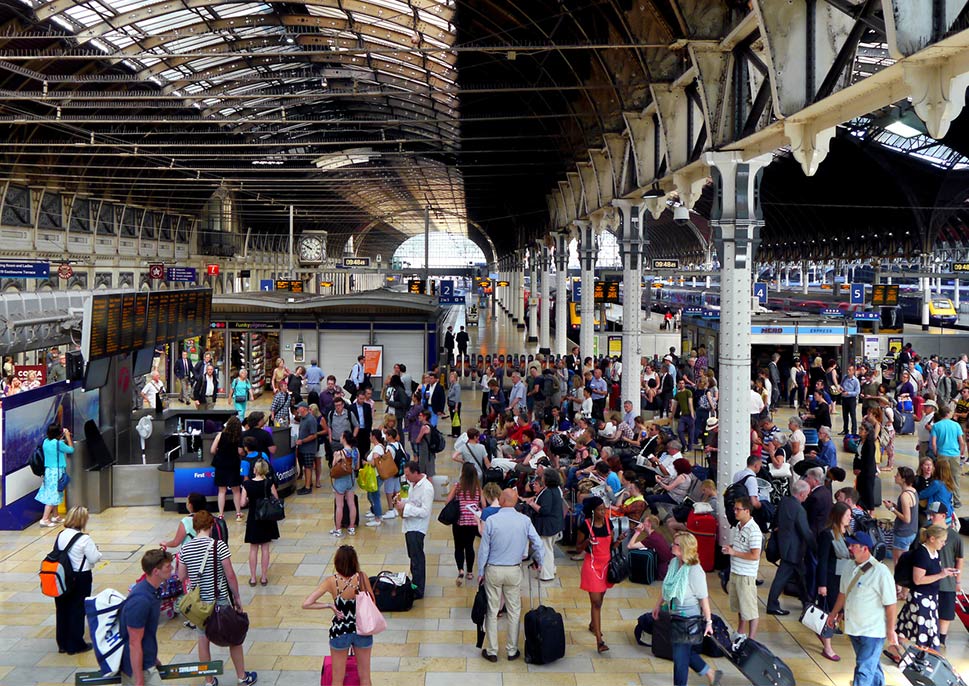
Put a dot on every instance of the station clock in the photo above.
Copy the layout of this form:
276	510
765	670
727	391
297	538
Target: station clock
311	247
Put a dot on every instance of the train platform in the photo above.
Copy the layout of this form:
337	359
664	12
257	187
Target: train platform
431	645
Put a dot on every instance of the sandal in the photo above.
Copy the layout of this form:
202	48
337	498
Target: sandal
263	582
238	516
252	582
459	580
602	647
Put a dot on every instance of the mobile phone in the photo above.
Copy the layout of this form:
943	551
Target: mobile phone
472	509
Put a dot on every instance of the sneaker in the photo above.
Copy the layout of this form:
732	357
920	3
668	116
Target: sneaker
370	515
352	531
390	514
373	522
250	678
336	533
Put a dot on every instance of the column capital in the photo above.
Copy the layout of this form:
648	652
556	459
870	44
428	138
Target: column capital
736	216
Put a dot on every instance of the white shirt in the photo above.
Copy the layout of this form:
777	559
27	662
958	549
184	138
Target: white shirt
356	373
534	458
743	539
667	461
151	391
961	370
769	387
586	410
375	452
517	398
799	438
84	555
756	402
417	506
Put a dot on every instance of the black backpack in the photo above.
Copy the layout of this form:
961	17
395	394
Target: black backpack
36	462
435	440
548	386
400	456
897	421
903	570
733	492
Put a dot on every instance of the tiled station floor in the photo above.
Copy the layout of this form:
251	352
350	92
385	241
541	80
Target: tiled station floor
433	644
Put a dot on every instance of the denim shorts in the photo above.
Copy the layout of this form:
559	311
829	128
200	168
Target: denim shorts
346	640
903	542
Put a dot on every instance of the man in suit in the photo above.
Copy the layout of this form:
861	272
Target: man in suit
201	365
184	374
434	398
449	344
775	379
794	536
206	389
362	412
817	506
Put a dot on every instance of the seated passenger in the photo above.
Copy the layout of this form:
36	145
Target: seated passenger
646	535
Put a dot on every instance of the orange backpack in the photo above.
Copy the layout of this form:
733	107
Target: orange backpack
56	570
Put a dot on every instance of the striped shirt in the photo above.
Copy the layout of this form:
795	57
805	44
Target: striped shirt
198	551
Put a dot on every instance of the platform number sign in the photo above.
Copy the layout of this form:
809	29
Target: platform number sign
266	284
760	290
576	291
857	294
447	289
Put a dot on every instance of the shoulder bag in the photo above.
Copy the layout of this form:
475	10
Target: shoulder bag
369	620
270	508
191	605
63	478
618	570
342	467
227	626
451	512
687	630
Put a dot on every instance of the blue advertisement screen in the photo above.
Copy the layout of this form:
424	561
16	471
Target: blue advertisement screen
201	479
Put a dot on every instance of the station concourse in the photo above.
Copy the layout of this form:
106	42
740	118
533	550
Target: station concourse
227	184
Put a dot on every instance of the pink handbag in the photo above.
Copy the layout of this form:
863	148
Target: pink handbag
369	620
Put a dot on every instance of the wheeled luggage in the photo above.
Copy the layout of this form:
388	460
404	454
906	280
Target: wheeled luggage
643	565
754	660
350	678
704	527
925	667
659	629
392	592
962	608
908	423
544	631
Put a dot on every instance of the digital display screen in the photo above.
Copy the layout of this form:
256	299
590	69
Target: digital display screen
607	292
884	294
123	322
416	286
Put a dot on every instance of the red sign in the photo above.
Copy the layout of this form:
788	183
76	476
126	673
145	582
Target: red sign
212	269
65	271
156	271
40	373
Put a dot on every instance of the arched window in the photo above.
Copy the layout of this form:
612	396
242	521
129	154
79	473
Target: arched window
445	250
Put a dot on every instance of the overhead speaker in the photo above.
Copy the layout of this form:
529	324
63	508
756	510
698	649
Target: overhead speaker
75	365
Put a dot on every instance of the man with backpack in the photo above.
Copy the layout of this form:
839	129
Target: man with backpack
138	622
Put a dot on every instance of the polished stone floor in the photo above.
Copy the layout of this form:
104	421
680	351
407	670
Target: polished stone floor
433	644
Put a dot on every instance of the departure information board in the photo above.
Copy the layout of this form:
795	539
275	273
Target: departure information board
119	322
607	292
884	294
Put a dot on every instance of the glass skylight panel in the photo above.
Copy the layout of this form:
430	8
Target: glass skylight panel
167	22
193	43
209	62
119	38
227	10
328	12
122	6
436	20
83	15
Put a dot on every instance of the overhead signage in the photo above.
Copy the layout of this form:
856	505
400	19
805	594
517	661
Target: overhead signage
760	291
711	314
857	294
771	330
503	284
693	311
418	286
156	271
65	270
450	300
356	262
960	266
245	273
211	270
186	274
576	291
867	316
326	284
884	294
821	330
266	284
833	312
666	264
218	325
254	326
291	285
607	292
22	269
447	289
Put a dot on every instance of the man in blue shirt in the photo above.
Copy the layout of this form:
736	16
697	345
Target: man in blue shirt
948	442
600	389
504	544
138	622
828	454
314	377
850	390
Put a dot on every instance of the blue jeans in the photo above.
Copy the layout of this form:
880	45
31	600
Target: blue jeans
375	505
868	669
685	658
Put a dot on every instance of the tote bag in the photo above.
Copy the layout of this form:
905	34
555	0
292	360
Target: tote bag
369	620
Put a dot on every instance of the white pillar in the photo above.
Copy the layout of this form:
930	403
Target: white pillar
632	244
587	262
533	268
545	273
955	294
561	292
518	305
804	276
736	233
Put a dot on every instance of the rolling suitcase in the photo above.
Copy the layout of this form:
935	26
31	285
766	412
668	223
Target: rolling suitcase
704	527
908	423
643	565
754	660
345	524
962	608
350	678
925	667
544	631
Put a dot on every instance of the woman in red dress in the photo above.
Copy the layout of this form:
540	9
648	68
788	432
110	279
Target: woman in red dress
595	540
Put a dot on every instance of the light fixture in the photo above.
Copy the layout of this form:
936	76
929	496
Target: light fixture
654	192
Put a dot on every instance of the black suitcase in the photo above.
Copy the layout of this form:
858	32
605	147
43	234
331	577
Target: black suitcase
923	667
758	664
643	565
571	528
544	632
345	524
388	596
660	631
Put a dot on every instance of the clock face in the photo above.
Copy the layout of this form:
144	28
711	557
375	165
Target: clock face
311	249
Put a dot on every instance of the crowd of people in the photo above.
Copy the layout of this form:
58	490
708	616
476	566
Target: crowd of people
553	459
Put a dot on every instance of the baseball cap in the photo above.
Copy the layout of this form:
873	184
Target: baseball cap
860	538
302	404
937	508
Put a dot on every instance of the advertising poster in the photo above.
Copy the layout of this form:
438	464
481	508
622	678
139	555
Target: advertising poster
615	346
39	370
894	346
27	415
373	360
201	479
